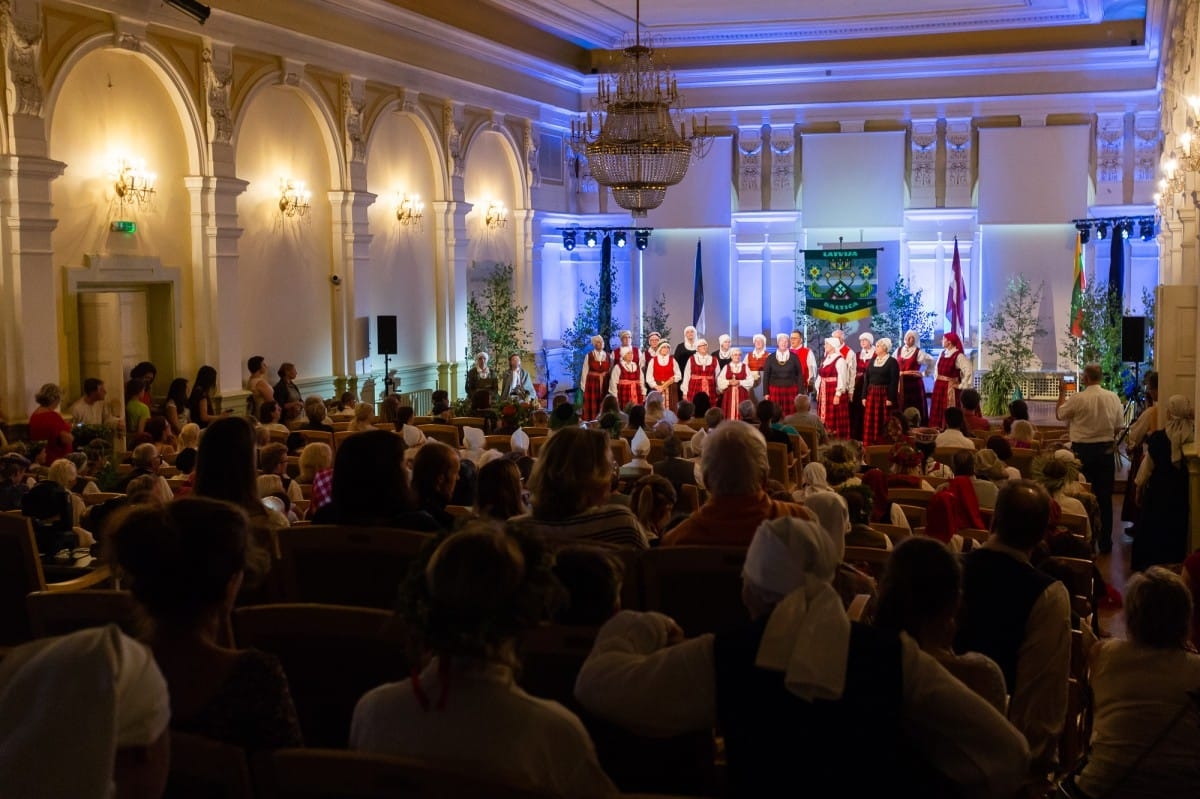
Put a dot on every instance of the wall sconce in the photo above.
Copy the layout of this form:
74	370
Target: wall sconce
133	184
409	209
293	198
497	215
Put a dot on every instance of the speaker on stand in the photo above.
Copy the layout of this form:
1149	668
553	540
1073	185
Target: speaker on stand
1133	339
385	337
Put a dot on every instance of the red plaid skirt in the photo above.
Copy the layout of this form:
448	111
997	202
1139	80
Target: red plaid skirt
836	417
937	408
912	395
593	395
630	392
876	415
784	397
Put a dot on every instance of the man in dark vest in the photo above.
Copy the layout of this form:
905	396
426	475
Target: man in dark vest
801	692
1021	618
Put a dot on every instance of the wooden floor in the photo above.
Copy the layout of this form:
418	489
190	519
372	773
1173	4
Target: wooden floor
1115	568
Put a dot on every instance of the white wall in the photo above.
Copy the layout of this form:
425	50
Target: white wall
284	292
853	180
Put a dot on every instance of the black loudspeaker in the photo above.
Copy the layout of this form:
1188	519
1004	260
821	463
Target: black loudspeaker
1133	339
385	335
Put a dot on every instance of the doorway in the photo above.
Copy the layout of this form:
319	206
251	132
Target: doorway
120	328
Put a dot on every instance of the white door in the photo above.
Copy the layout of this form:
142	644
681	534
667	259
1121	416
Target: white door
114	336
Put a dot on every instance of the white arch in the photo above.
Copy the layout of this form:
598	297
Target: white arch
339	173
176	84
428	133
513	161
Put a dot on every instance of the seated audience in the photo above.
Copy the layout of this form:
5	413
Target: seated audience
685	413
962	487
570	486
805	419
735	471
435	470
898	429
919	595
842	463
802	689
145	461
674	467
564	416
184	562
638	466
47	424
1020	618
1003	450
816	480
63	472
1023	435
315	413
883	510
346	407
269	415
989	474
272	460
592	579
956	434
653	502
1018	410
109	710
370	486
413	435
1056	474
712	418
363	419
971	413
500	495
468	606
1144	735
833	513
315	459
858	505
764	414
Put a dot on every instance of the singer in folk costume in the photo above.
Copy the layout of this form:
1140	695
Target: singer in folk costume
627	383
834	384
808	362
686	347
883	383
734	382
596	366
914	362
663	375
724	345
782	374
866	352
700	373
649	350
954	373
756	360
626	337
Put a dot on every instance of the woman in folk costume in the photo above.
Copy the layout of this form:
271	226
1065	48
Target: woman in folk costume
783	375
626	345
724	347
833	397
686	347
650	349
953	372
756	361
808	362
596	366
913	362
883	383
663	375
734	382
627	383
866	353
700	374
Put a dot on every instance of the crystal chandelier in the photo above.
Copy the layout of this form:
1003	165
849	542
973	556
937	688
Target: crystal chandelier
636	140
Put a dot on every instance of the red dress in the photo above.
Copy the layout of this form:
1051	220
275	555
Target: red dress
630	385
665	373
756	362
701	378
943	397
595	383
47	426
835	416
912	383
735	393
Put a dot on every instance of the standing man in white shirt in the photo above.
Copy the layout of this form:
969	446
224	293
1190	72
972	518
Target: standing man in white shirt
92	408
1094	418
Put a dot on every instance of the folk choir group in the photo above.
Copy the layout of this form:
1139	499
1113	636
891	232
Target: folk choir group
856	393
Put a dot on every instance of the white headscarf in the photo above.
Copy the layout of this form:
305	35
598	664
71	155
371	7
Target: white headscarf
815	478
67	704
640	445
519	442
474	442
907	351
808	634
1180	427
870	337
834	515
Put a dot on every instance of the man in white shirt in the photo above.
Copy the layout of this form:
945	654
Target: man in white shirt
1094	417
516	383
92	407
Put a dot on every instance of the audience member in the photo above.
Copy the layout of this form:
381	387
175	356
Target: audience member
184	563
468	606
145	461
315	412
803	688
805	419
1020	618
500	495
639	465
269	416
989	474
201	409
919	594
256	384
956	434
175	407
674	467
883	510
971	414
1004	451
735	471
145	372
653	502
816	480
1022	435
287	394
858	505
592	579
93	408
272	460
712	418
47	424
363	419
833	513
1018	410
434	476
370	486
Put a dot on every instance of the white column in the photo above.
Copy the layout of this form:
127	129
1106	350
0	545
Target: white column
351	248
450	288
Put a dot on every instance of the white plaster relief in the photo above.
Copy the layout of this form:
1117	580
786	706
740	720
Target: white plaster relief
217	79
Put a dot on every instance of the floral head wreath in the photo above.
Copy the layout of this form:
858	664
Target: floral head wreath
1053	473
906	456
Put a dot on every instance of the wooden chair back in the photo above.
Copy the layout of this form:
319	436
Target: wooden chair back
871	560
388	426
975	536
698	586
279	436
468	421
100	497
535	445
910	496
777	460
329	774
61	612
345	565
895	532
935	482
945	455
688	500
914	513
656	450
621	453
339	427
21	574
810	437
1078	574
417	421
446	433
318	436
879	457
551	656
500	443
332	655
628	434
1022	461
684	436
1076	524
534	432
202	768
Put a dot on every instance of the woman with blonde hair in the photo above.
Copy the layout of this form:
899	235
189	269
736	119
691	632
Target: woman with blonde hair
314	458
653	501
570	486
363	418
63	472
1023	435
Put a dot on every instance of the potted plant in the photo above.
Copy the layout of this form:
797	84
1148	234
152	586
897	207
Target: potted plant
1012	329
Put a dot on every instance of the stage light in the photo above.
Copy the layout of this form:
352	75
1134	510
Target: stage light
641	239
1146	229
1101	230
619	238
1123	227
589	238
1085	232
568	240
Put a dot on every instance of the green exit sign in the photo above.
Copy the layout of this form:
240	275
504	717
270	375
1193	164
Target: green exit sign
124	226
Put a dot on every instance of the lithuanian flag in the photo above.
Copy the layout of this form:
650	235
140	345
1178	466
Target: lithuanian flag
1077	289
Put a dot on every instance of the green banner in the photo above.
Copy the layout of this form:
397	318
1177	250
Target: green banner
840	285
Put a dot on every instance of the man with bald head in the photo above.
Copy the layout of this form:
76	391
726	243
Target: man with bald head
805	419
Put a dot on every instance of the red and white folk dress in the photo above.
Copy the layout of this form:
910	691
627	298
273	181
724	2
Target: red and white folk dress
595	382
627	384
734	382
833	384
663	375
700	374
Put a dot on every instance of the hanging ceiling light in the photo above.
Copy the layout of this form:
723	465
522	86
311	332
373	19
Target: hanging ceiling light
636	140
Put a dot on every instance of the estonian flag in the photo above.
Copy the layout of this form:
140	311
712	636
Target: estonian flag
698	293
